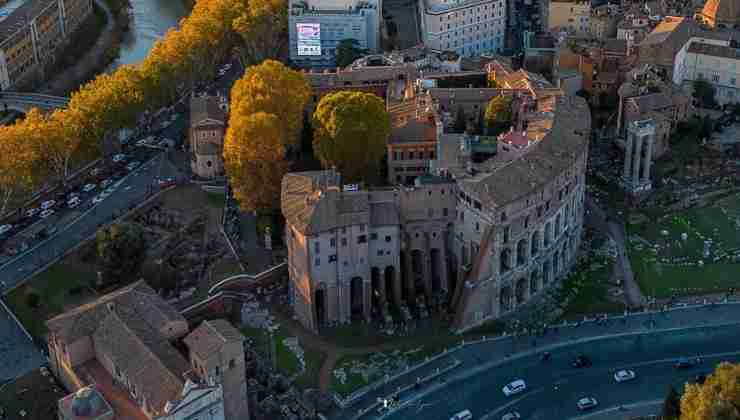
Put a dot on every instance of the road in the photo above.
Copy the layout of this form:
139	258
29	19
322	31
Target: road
650	354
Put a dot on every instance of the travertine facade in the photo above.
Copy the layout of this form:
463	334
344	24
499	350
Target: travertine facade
484	236
207	131
31	36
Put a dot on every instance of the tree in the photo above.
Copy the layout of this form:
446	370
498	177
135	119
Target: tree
18	157
350	133
263	26
492	84
121	252
160	276
33	300
275	89
254	158
348	50
498	115
704	93
672	405
718	398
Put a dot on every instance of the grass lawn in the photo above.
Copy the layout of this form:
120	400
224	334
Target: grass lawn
658	271
61	287
589	290
216	200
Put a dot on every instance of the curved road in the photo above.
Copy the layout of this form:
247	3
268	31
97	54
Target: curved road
651	355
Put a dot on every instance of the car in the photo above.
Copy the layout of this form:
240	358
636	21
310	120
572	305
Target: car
587	403
96	171
624	375
514	387
120	157
98	198
5	228
683	363
227	66
463	415
581	361
46	213
73	202
72	195
89	187
110	190
32	212
105	183
133	165
46	205
514	415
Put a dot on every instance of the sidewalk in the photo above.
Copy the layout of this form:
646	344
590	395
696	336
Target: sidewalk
498	350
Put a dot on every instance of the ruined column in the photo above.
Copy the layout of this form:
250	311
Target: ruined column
410	286
366	299
397	285
443	269
648	157
636	158
628	157
426	272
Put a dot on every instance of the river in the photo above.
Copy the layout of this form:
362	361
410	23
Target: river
150	20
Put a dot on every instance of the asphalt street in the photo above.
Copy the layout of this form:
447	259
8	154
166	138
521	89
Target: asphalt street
554	387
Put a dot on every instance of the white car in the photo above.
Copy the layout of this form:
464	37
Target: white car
46	213
105	183
46	205
514	415
89	187
227	66
624	375
587	403
32	212
119	157
514	388
98	198
133	165
110	190
463	415
5	228
73	202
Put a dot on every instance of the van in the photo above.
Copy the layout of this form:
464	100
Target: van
463	415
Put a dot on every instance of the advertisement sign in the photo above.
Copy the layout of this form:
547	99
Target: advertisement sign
309	38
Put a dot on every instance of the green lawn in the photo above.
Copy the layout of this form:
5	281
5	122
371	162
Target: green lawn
216	200
61	287
588	290
659	275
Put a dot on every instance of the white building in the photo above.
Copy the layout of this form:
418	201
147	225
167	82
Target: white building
317	26
716	61
572	16
469	28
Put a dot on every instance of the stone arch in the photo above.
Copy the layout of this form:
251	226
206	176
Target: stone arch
505	298
436	269
377	295
535	243
521	252
521	290
505	262
534	280
548	234
320	305
356	297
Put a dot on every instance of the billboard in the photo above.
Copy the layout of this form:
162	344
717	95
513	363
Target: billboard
309	38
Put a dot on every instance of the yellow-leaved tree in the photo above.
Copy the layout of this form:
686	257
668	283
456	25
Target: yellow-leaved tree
17	160
350	133
718	398
263	26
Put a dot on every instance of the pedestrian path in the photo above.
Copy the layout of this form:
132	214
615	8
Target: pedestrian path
502	348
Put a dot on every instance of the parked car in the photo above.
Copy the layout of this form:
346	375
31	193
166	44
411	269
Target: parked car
463	415
515	387
46	213
106	183
98	198
32	212
89	187
96	171
133	165
5	228
581	361
587	403
73	202
48	204
683	363
514	415
624	375
119	158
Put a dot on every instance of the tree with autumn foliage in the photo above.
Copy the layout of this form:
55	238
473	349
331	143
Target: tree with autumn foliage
351	131
498	115
254	159
718	398
17	160
263	26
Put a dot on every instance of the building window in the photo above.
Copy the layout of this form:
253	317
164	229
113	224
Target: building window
361	239
373	236
380	252
317	262
344	241
317	247
209	163
333	242
332	258
362	228
444	212
388	238
232	363
503	216
526	222
506	234
547	205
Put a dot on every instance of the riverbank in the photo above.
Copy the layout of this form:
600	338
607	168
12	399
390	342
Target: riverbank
91	49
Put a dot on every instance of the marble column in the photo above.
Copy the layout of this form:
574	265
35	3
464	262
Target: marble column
628	157
636	158
648	157
410	283
443	269
397	285
366	299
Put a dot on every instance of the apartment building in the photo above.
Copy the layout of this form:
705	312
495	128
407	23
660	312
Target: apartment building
467	27
570	16
32	35
316	27
714	61
135	350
